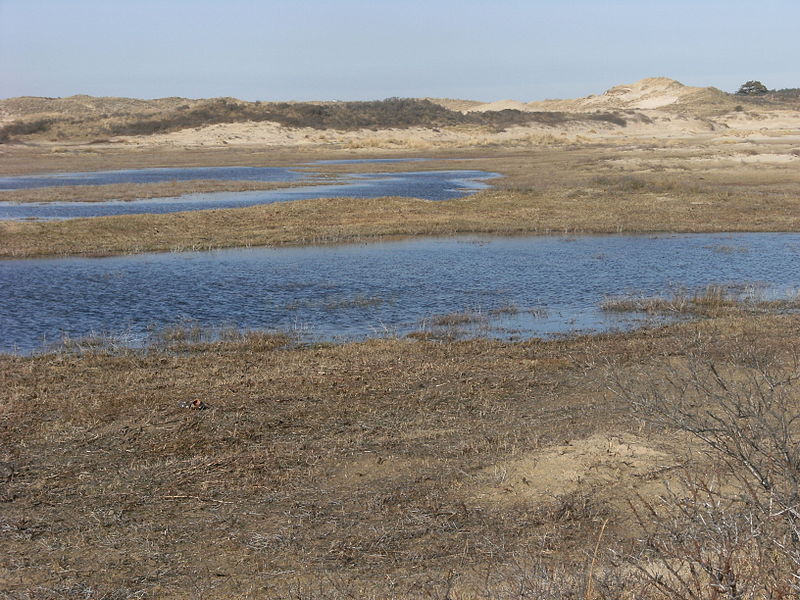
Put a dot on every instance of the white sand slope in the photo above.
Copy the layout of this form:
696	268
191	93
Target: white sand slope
647	94
664	109
654	92
500	105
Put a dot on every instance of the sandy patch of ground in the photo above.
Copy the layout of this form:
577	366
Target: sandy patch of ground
272	134
776	119
500	105
708	161
646	94
656	102
756	158
599	460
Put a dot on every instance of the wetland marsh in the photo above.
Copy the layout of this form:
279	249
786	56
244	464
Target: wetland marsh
508	288
427	185
401	397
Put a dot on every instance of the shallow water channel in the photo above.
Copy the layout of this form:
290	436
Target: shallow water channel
512	287
427	185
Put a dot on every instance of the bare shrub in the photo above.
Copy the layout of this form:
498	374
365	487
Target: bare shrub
24	128
733	532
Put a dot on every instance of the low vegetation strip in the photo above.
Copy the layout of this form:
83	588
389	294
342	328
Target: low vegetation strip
140	191
356	219
711	301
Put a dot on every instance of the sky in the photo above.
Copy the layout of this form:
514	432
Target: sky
366	50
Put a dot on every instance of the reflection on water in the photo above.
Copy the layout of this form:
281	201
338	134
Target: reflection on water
517	287
428	185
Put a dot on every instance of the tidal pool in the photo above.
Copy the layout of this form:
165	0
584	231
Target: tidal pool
427	185
511	287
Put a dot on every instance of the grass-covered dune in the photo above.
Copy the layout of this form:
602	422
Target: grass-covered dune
142	119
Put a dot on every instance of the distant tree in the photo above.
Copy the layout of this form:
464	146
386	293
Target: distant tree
752	88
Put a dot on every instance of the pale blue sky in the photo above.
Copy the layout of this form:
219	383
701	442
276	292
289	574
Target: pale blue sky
360	49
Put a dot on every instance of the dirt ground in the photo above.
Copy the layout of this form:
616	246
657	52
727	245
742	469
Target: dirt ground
388	468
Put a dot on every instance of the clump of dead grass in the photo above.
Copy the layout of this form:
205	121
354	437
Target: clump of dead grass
711	300
457	318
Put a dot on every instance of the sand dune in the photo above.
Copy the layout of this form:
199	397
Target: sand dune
500	105
656	92
655	107
646	94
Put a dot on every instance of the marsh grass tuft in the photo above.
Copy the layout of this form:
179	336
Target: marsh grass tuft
93	342
712	299
192	336
181	333
510	308
538	312
457	318
358	301
727	249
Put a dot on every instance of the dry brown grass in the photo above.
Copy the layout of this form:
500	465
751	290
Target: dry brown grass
389	468
353	219
68	157
549	190
714	300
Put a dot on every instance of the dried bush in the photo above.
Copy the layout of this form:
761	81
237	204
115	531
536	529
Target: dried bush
732	531
24	128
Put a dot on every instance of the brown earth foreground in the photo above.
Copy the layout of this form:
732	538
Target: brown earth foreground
389	468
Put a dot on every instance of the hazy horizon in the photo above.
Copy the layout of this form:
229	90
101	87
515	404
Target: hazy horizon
359	50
